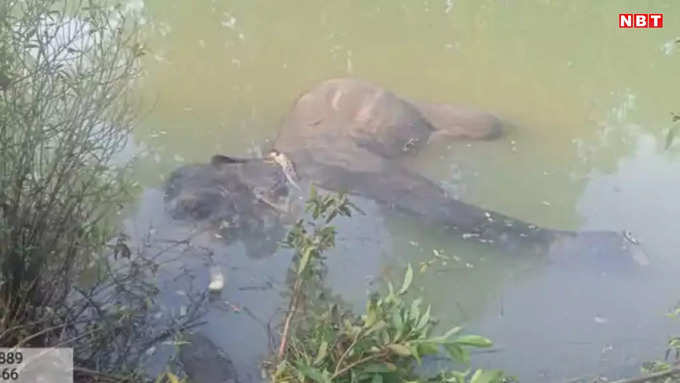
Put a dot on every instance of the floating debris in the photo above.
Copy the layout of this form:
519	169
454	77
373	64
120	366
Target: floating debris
229	21
425	265
449	6
600	320
546	203
469	235
216	279
159	58
164	28
233	307
629	237
668	47
440	254
413	243
410	144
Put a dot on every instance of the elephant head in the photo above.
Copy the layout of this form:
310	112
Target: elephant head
240	199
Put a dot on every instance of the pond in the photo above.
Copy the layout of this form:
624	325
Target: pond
591	107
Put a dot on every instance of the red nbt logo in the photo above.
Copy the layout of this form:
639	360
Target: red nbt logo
640	20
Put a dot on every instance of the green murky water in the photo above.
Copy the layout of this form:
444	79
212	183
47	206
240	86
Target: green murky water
591	104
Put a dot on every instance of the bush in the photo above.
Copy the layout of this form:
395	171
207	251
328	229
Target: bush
65	71
323	342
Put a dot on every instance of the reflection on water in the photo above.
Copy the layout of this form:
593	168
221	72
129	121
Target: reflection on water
590	103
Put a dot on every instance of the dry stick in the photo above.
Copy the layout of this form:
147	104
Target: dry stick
289	318
41	332
109	377
344	354
17	327
354	364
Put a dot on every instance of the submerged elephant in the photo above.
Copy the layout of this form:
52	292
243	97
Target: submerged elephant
350	135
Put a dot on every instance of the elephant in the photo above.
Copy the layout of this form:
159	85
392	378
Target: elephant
351	135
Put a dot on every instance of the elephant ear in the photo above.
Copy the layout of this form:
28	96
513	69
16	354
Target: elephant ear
218	159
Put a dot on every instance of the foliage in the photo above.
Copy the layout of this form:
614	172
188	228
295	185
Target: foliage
327	343
169	377
665	370
67	69
64	116
672	356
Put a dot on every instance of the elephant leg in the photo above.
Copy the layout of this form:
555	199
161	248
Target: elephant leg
460	122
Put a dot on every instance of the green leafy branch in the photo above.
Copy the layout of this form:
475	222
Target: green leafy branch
310	241
384	344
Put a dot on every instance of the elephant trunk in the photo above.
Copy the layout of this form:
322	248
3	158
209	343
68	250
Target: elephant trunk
406	191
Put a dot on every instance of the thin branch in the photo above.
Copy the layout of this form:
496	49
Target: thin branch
356	363
297	291
652	377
